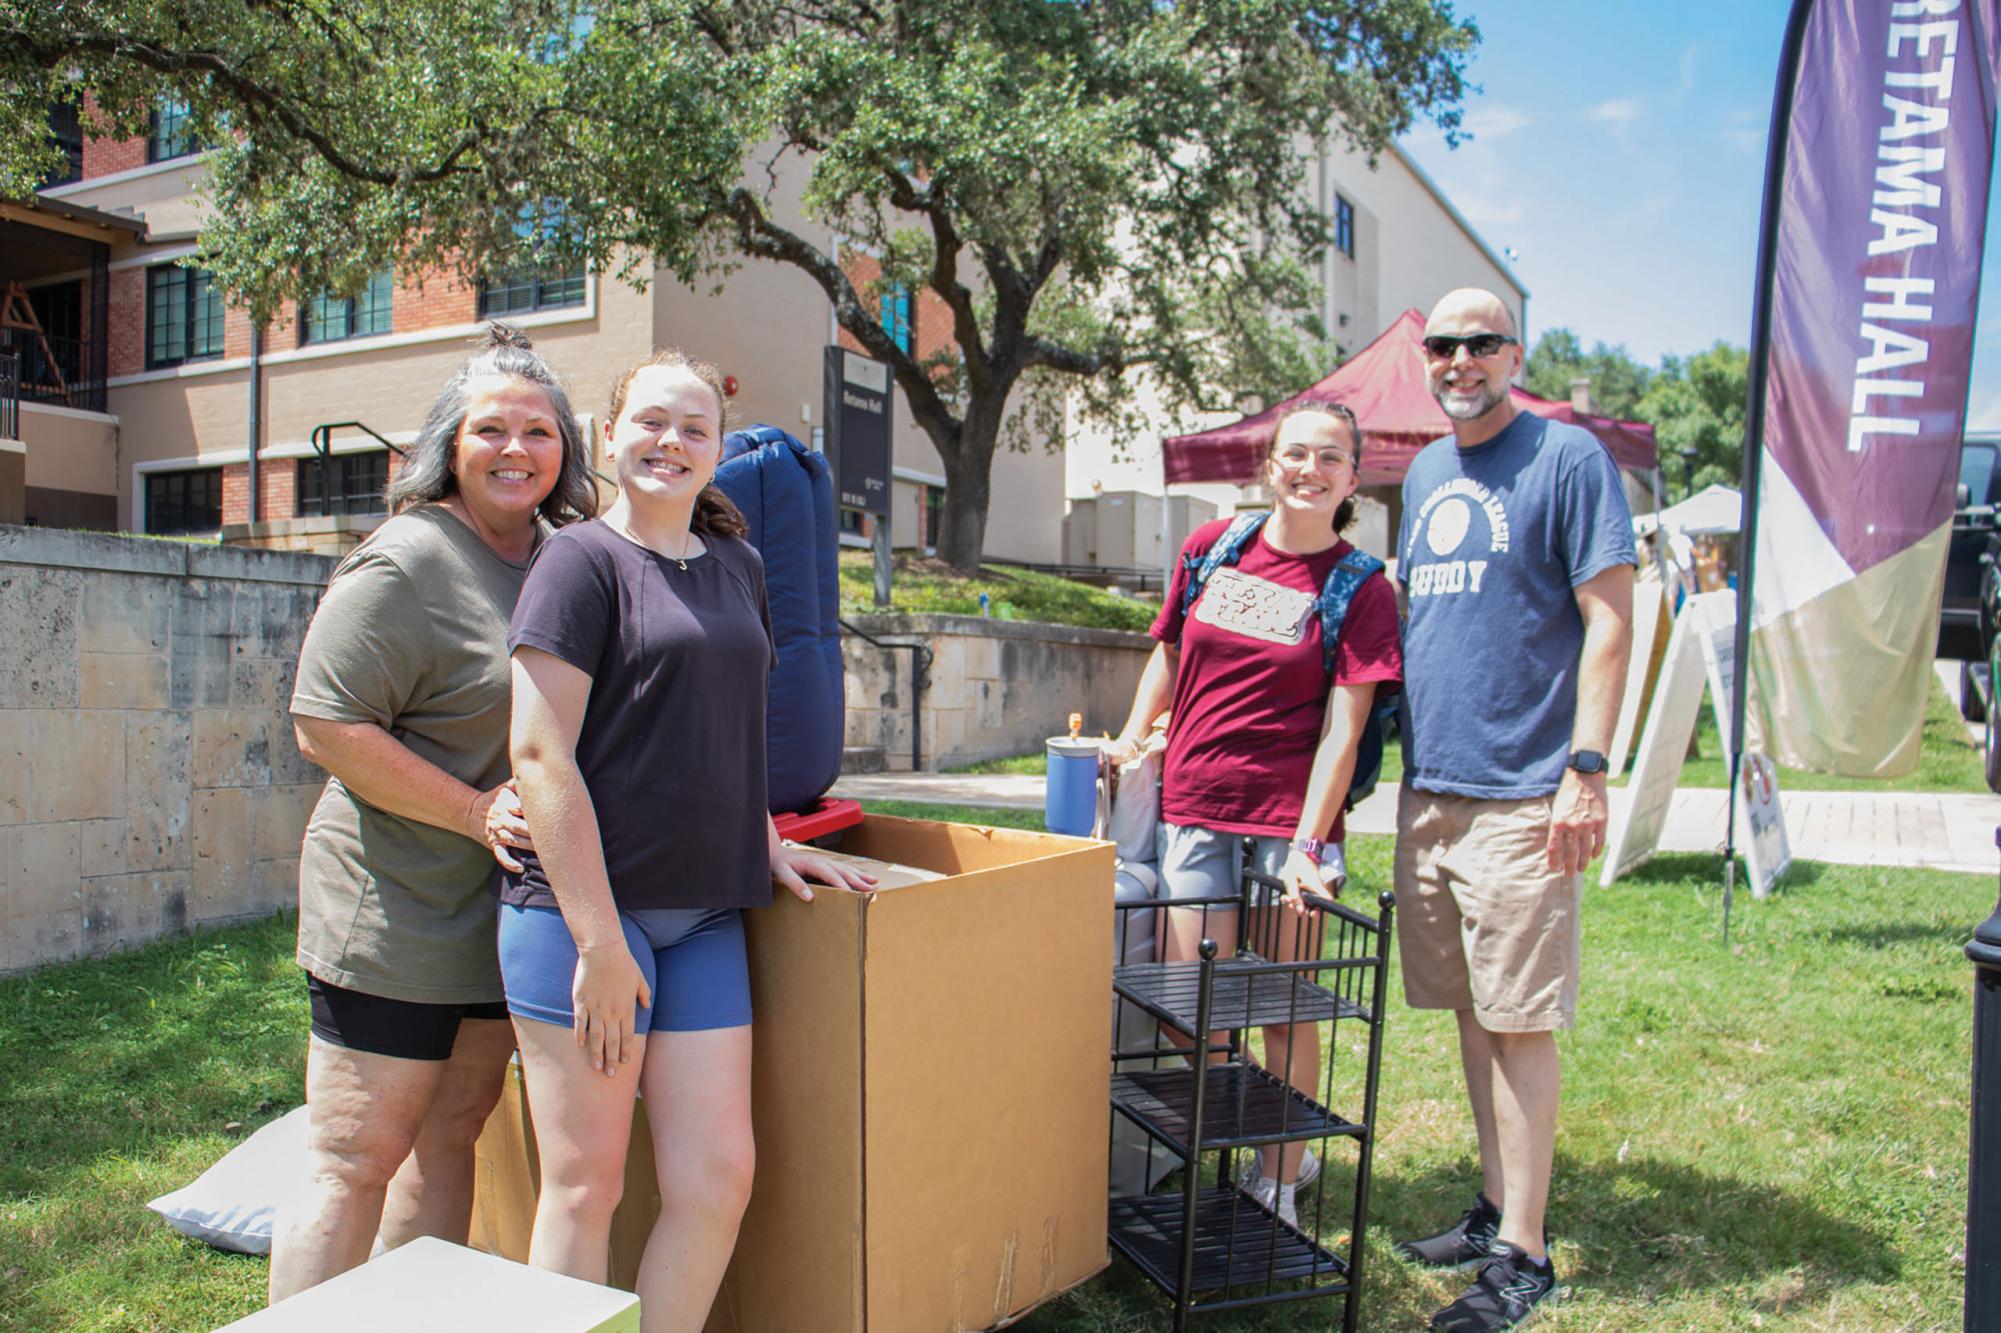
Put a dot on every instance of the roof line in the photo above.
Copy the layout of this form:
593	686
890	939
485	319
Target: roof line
1452	211
83	213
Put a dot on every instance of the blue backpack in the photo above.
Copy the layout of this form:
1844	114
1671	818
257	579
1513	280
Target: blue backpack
1343	581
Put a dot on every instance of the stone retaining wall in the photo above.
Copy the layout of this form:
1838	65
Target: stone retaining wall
997	687
149	780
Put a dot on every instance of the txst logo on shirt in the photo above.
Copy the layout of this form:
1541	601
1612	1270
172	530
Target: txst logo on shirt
1253	607
1442	526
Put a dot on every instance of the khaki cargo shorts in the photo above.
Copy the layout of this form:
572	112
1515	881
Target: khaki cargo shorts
1483	923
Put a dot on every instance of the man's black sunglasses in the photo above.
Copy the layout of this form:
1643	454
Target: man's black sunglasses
1442	346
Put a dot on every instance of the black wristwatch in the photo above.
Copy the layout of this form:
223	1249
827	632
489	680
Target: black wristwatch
1588	761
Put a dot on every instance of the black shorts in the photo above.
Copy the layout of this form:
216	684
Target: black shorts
405	1029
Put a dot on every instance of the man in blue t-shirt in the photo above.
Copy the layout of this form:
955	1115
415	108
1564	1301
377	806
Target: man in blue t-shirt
1516	557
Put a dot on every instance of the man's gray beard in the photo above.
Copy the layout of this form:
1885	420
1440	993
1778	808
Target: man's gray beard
1489	398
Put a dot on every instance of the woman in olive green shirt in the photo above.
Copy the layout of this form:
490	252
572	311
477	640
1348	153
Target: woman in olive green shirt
403	697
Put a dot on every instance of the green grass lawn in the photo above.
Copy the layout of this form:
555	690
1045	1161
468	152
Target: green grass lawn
1770	1137
922	584
1949	761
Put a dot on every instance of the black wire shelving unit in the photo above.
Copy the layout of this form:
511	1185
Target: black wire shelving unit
1201	1236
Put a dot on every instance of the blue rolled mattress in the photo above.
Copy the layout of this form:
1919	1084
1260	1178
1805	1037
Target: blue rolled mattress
787	497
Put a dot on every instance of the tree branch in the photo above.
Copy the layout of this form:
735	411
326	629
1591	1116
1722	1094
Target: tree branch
946	244
278	106
758	235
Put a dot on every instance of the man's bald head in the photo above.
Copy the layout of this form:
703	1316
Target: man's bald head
1473	390
1471	310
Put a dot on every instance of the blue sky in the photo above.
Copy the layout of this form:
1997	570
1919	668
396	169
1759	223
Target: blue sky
1619	149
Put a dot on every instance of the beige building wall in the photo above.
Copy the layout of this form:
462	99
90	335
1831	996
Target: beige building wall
766	326
1422	247
70	450
164	193
198	415
1411	246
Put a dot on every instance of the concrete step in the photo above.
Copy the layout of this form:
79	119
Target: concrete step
862	759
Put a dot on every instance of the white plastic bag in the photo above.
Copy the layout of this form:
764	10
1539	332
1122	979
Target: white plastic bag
1129	799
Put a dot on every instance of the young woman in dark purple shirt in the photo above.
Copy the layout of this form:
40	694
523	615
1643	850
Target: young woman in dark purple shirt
641	648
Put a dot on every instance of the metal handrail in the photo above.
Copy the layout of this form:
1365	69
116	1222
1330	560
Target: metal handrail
920	668
322	438
10	396
53	369
1145	578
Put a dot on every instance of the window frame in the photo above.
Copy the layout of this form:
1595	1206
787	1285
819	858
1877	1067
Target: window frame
381	309
167	134
212	479
156	274
527	290
895	316
357	492
1344	225
68	134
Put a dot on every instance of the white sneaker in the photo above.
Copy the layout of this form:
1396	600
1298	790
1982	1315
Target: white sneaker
1280	1200
1250	1165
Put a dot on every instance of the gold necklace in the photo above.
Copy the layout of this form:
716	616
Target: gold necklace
687	544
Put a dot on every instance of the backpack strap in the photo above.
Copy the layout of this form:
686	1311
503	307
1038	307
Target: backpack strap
1227	549
1337	594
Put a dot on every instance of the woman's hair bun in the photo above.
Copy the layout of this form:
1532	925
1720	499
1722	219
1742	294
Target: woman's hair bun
499	334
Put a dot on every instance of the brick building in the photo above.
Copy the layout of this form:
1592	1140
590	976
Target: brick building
145	404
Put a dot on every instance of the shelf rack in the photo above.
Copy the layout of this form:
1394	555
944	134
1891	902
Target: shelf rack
1202	1238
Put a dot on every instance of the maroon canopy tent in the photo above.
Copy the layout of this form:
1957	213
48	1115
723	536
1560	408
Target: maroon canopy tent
1384	386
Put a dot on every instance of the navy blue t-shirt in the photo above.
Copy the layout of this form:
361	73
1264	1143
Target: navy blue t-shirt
1493	542
672	743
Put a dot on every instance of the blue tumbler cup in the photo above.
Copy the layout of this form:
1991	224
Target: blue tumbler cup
1070	799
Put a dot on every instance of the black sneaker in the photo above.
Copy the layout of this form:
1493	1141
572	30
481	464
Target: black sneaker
1505	1294
1467	1243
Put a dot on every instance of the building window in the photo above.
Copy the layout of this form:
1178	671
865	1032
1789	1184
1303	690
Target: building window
189	501
344	484
854	521
66	128
183	315
326	318
896	315
170	133
1344	226
534	287
934	513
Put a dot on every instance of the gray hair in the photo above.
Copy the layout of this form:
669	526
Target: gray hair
505	352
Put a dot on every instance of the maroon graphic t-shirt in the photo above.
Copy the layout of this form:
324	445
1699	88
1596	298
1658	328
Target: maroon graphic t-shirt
1251	691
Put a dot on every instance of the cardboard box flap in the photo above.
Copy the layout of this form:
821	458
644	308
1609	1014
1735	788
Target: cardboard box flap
953	849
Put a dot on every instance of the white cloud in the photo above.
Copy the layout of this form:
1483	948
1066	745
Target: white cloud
1685	84
1984	412
1618	112
1745	132
1494	120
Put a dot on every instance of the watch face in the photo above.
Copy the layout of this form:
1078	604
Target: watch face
1588	761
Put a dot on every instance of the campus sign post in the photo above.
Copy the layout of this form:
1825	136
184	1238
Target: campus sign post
858	441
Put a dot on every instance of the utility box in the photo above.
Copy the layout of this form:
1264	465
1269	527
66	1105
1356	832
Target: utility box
928	1088
1121	529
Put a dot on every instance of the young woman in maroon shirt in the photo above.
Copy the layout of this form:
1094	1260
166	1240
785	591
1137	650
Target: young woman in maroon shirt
1261	743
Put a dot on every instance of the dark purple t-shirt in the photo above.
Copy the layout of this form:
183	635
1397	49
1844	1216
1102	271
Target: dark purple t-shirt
672	745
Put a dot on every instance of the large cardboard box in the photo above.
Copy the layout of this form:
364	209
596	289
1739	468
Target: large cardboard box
930	1086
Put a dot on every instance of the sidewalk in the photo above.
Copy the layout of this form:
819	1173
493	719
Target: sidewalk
1940	830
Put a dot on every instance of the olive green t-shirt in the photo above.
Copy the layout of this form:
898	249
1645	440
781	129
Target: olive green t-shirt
411	636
